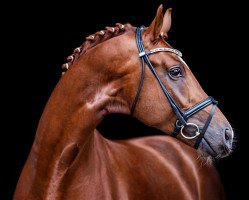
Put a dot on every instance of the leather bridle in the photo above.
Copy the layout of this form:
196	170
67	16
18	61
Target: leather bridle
182	116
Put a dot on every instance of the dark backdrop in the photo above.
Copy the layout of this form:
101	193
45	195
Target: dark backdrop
40	36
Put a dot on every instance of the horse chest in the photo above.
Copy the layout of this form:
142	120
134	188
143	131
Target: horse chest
135	170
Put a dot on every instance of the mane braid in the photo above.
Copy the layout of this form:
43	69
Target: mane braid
93	40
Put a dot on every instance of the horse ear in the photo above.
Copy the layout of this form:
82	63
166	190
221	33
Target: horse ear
155	27
166	22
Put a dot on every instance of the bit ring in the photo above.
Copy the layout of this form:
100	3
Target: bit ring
197	132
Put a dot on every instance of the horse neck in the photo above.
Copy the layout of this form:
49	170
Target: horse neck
81	99
79	102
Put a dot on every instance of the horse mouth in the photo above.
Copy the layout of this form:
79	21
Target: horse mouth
207	149
225	151
217	152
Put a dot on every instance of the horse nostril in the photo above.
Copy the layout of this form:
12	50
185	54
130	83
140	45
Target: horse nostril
227	134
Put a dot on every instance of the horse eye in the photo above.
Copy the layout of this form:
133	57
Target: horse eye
175	72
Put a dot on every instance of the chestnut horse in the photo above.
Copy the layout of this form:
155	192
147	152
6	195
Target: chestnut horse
128	70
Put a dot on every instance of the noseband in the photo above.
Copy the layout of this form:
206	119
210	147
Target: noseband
182	116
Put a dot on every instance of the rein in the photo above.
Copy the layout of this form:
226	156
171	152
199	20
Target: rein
182	116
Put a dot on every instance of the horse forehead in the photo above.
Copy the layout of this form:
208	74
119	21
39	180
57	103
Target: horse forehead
170	59
165	59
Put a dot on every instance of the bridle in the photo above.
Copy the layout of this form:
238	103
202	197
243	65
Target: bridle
182	116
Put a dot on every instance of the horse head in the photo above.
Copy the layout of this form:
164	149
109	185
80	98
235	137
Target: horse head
135	71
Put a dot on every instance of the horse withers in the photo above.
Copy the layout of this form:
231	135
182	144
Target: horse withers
130	70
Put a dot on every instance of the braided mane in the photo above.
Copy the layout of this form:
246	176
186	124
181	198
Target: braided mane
93	40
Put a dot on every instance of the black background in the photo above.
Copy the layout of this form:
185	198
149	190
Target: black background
39	37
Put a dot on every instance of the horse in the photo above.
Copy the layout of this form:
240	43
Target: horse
134	71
